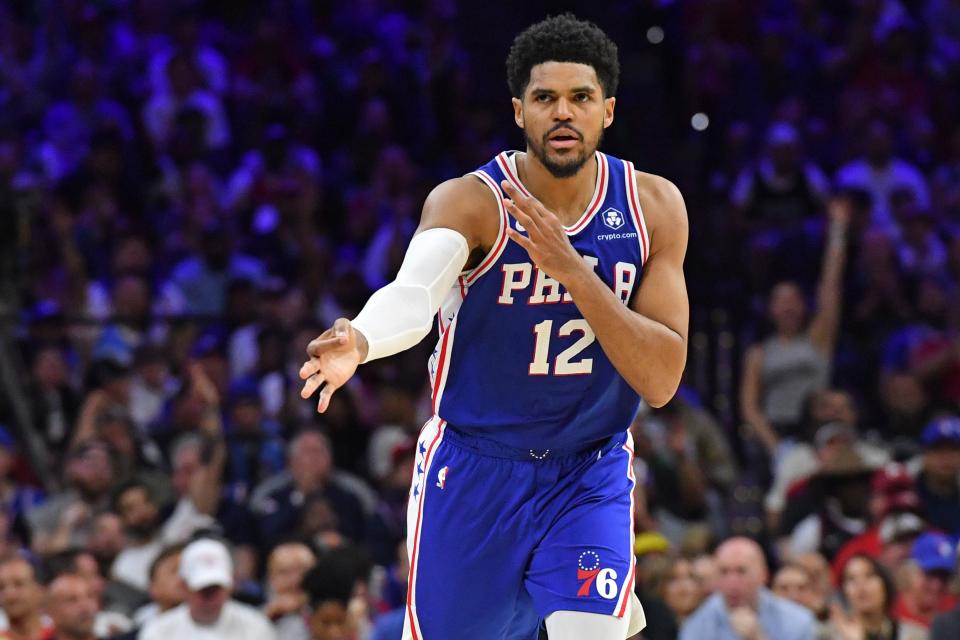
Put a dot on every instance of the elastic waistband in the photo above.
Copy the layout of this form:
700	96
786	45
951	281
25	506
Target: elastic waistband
492	448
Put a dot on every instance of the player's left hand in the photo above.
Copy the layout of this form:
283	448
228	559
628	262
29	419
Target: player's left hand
546	241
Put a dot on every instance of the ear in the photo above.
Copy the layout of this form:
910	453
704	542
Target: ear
608	105
517	111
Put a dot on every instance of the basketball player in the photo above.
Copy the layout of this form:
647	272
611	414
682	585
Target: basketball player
556	277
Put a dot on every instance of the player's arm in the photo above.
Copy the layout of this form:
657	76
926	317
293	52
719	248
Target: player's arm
456	227
647	341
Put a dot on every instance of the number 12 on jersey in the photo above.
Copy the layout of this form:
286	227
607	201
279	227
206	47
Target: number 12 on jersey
565	365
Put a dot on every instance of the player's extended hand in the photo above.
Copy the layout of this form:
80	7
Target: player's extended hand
546	241
334	357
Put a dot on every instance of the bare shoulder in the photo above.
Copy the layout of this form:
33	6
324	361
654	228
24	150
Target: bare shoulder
663	207
465	192
464	204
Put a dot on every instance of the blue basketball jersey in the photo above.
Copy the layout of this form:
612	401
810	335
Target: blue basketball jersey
516	362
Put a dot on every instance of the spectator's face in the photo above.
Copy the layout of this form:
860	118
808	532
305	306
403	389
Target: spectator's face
287	565
132	255
933	587
330	621
785	156
131	298
705	573
681	592
862	587
742	573
185	466
138	512
896	552
834	406
154	373
50	369
563	99
942	461
787	307
820	582
310	462
72	606
86	567
166	587
903	394
206	604
119	388
854	496
793	584
246	416
92	471
107	540
20	594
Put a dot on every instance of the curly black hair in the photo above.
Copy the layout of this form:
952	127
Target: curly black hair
563	38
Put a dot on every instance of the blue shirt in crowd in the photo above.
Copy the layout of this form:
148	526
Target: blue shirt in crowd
780	619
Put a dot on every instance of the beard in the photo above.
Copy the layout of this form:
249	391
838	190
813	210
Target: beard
569	165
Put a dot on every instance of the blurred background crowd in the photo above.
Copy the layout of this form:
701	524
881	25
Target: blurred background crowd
192	190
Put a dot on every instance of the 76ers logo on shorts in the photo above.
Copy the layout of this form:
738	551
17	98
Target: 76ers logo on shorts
589	574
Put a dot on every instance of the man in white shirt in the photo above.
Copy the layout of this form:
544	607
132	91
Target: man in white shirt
209	614
149	530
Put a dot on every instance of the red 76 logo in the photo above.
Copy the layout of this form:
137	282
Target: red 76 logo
589	571
588	576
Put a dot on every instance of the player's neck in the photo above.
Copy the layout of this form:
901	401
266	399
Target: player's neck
565	197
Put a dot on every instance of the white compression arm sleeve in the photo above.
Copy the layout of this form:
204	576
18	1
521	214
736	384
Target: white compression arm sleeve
400	314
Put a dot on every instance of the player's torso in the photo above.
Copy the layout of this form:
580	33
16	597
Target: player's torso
516	361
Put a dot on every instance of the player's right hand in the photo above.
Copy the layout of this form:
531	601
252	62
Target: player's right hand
334	357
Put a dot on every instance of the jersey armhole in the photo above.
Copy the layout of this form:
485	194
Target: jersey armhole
471	276
636	211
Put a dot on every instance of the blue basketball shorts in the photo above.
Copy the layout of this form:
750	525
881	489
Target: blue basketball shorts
498	538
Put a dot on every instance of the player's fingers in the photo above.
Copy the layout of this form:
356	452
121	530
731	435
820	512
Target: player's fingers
520	239
309	368
325	394
322	344
311	385
528	201
521	216
528	204
341	328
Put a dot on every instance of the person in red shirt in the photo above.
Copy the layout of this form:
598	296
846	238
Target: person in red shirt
927	590
21	598
893	507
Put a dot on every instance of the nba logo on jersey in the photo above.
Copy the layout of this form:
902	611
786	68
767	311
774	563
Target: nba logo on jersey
442	477
612	218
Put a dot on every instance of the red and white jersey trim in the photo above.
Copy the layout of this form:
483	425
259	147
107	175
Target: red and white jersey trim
508	165
636	212
624	600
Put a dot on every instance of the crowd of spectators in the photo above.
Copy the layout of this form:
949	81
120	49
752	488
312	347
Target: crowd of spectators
192	190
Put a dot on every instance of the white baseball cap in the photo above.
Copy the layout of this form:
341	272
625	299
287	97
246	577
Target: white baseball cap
206	563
